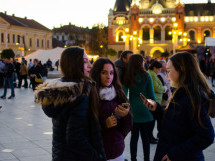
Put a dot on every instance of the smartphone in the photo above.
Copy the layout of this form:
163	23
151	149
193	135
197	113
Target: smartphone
145	99
125	105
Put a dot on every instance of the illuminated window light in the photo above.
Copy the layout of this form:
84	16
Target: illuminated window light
196	19
202	19
151	20
206	19
173	19
211	18
151	41
140	20
191	19
186	19
163	19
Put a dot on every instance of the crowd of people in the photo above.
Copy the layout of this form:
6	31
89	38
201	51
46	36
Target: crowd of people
94	106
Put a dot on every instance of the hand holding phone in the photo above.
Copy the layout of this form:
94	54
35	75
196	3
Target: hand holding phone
125	105
150	104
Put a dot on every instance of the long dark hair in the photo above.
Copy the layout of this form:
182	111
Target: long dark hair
192	80
135	67
72	67
72	64
95	75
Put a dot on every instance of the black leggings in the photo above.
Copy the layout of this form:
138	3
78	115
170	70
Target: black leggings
144	130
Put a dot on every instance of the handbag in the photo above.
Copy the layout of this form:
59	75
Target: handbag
39	80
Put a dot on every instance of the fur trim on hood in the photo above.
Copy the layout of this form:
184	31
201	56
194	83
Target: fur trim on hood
57	92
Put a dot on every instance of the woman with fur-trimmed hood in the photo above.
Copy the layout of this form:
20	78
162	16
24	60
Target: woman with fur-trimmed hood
72	103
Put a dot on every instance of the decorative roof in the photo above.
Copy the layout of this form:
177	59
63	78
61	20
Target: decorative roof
122	5
23	22
70	29
205	9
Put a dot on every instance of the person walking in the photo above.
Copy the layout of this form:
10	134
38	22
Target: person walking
137	81
8	78
115	120
72	103
186	128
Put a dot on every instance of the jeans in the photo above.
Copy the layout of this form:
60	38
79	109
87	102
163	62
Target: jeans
10	81
144	130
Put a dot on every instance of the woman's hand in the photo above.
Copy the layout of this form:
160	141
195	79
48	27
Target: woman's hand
150	104
121	111
166	158
111	121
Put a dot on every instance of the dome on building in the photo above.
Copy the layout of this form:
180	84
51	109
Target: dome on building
157	8
122	5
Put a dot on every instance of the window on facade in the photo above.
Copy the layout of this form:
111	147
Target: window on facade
42	43
18	38
207	33
47	43
157	33
30	42
146	33
14	38
120	36
8	38
58	37
38	43
2	37
167	35
192	35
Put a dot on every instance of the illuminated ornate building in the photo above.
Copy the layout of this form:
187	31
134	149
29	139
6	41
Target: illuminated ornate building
23	35
153	26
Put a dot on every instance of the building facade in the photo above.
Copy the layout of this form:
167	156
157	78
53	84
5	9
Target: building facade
72	35
155	26
23	35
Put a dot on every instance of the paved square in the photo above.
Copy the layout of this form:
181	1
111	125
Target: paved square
26	132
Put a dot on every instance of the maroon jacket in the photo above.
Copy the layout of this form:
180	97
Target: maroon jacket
113	138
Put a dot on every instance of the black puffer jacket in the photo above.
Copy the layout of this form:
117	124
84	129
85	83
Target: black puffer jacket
76	133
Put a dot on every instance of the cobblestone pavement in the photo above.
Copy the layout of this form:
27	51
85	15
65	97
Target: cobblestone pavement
26	132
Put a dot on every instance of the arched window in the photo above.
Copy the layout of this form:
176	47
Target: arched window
120	36
157	33
207	33
167	35
192	35
146	33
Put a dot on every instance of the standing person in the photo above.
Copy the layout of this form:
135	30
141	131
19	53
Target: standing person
137	80
8	78
1	73
30	64
122	63
159	89
186	126
57	64
165	82
35	71
115	120
23	75
72	103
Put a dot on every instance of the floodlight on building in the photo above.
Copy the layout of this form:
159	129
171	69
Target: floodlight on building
163	19
199	41
185	34
127	30
140	20
195	19
175	25
180	33
173	19
151	20
135	32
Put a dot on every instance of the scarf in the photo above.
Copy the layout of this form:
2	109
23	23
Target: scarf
107	93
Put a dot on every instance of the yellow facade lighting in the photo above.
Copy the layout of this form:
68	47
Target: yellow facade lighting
180	40
188	40
199	41
170	33
195	19
173	19
138	45
101	46
127	30
202	19
186	19
174	32
185	34
135	32
151	20
140	20
206	18
163	19
180	33
175	25
185	39
151	41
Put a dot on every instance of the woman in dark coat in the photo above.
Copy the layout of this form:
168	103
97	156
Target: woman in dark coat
72	104
115	120
186	128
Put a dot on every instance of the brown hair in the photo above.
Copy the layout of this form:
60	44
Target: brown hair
135	67
192	80
72	64
95	75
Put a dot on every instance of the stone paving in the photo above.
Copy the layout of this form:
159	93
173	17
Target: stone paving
26	132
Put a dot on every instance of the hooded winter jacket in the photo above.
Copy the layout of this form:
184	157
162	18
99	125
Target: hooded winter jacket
76	133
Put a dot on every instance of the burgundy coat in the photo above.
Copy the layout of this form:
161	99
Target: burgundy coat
113	138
